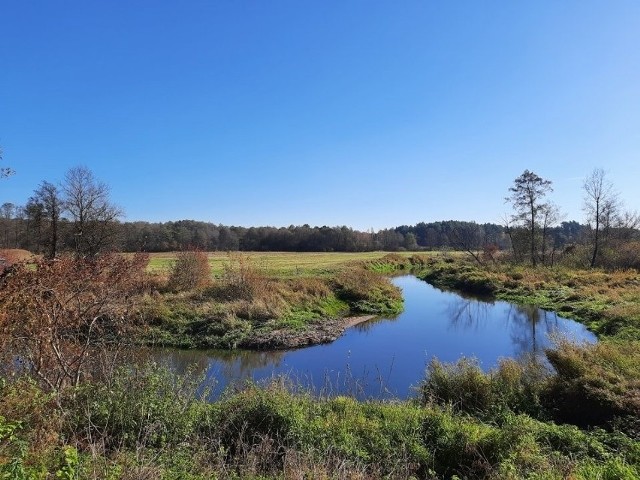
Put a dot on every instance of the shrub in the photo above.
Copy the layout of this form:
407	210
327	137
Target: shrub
463	386
59	316
190	271
243	280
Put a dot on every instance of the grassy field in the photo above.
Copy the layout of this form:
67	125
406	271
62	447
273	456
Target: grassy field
279	264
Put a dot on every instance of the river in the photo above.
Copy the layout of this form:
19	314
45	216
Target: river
387	357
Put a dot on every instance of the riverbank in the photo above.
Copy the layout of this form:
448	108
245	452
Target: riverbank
267	312
148	423
606	302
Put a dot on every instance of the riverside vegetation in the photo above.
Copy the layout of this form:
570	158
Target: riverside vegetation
71	413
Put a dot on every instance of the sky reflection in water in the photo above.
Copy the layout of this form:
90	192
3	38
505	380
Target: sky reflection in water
385	357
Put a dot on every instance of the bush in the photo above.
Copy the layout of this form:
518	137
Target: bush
463	386
143	406
190	271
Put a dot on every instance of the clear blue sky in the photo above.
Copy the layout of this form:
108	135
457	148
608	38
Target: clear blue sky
365	113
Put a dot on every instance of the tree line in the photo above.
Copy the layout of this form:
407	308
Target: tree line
78	215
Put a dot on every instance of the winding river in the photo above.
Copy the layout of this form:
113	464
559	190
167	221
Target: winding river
386	357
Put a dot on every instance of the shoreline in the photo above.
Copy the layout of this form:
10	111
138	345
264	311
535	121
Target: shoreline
320	333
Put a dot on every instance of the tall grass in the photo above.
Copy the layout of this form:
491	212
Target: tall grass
148	423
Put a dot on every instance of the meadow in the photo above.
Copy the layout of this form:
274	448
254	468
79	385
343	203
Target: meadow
278	264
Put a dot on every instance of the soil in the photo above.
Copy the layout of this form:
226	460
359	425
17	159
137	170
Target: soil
322	332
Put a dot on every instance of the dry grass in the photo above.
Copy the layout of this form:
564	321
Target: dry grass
13	255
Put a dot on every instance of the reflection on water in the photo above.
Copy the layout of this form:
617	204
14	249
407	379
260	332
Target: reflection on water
384	357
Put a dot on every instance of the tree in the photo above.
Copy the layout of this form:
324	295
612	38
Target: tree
601	205
527	195
7	212
48	204
468	237
93	215
550	215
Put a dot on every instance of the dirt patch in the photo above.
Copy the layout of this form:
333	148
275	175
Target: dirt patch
322	332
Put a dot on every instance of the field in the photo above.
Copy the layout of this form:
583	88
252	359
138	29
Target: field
279	264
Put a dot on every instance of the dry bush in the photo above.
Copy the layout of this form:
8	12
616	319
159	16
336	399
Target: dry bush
58	316
190	271
242	279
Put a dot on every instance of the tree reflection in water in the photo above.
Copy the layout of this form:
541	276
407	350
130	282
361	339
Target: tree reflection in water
384	357
218	368
467	313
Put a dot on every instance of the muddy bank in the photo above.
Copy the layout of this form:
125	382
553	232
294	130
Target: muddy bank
325	331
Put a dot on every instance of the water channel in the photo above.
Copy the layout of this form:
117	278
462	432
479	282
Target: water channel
386	357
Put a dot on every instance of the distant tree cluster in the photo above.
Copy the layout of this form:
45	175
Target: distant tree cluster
610	238
73	215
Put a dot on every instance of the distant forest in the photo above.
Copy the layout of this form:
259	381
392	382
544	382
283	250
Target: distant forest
27	232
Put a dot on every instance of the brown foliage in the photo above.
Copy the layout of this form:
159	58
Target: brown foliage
244	280
58	317
190	271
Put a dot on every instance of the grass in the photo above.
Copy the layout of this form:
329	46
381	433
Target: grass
280	264
149	423
251	305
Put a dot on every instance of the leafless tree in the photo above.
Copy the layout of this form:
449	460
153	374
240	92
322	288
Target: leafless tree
468	237
5	171
47	201
92	213
550	216
601	204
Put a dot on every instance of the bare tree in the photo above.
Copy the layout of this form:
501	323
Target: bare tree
601	204
550	216
468	237
527	195
93	215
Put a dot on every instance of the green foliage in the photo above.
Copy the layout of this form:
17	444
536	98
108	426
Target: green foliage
464	387
147	421
595	384
145	406
68	469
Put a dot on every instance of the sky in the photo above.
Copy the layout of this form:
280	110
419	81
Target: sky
369	114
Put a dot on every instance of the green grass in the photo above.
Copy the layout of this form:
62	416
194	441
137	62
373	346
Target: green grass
149	423
280	264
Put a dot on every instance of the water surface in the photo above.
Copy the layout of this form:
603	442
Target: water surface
385	357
